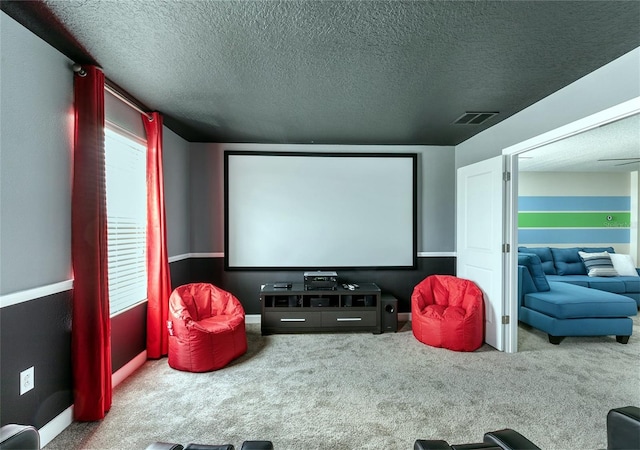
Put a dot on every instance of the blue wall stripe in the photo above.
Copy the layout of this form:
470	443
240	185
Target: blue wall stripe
573	235
574	203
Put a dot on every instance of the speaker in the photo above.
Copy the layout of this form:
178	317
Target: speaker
389	311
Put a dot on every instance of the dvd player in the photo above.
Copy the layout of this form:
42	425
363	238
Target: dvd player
320	280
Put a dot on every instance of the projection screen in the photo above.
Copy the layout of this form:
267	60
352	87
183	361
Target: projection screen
319	211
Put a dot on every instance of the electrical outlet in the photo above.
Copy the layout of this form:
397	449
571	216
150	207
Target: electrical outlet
27	380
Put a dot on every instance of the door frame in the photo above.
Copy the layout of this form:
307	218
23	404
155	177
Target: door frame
511	154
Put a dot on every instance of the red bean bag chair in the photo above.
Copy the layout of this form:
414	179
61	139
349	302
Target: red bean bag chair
448	312
206	328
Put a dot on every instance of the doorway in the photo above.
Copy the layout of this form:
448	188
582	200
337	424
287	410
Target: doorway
511	155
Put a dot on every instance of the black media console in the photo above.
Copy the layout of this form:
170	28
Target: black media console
296	310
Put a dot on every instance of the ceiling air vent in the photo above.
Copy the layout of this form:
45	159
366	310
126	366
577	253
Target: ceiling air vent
474	118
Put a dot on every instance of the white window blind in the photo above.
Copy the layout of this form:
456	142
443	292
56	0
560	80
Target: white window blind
126	185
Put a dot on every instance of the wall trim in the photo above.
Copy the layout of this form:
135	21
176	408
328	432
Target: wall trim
56	426
32	294
196	255
123	372
178	257
436	254
207	255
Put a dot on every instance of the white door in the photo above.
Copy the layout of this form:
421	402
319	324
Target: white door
479	238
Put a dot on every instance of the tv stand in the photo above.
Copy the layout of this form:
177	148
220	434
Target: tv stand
296	310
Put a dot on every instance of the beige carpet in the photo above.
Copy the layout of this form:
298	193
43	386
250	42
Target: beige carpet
365	391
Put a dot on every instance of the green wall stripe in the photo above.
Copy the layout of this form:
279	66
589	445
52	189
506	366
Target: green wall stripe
573	220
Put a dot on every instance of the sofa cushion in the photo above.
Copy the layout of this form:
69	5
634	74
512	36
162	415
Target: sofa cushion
532	262
598	249
578	280
544	253
624	265
617	285
608	284
567	261
598	264
631	284
568	301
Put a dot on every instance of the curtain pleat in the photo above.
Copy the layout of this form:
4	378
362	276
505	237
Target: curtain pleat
159	279
91	325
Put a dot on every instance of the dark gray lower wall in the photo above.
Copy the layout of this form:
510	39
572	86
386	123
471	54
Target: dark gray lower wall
246	284
36	333
128	335
180	272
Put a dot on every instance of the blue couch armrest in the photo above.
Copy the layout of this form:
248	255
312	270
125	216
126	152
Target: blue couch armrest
525	284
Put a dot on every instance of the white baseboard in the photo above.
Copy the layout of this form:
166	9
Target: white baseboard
56	426
252	318
122	373
59	423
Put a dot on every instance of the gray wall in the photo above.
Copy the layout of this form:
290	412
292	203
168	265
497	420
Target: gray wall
436	192
207	198
175	160
36	135
608	86
36	144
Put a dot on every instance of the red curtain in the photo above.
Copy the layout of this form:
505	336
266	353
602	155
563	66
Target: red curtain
159	279
91	325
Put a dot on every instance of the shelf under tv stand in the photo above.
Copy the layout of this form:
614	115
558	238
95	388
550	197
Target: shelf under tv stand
296	310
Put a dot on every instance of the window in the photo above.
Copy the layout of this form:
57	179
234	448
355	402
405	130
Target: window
126	186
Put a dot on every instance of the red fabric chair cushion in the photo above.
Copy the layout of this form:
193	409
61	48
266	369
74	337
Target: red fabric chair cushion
206	328
448	312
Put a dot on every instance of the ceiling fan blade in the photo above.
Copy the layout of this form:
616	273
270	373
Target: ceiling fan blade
619	159
627	163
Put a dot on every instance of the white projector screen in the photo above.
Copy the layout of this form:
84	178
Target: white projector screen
313	211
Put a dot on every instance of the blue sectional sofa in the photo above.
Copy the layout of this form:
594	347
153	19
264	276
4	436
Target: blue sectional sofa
563	309
565	265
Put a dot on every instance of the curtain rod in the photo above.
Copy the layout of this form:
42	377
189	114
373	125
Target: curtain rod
109	87
113	91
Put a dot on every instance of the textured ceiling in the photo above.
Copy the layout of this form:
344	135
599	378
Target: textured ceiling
614	147
344	72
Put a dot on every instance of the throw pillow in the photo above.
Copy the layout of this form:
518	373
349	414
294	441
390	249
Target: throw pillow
533	264
598	264
624	265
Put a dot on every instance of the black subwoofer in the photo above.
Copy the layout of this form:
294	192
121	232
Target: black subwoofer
389	311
